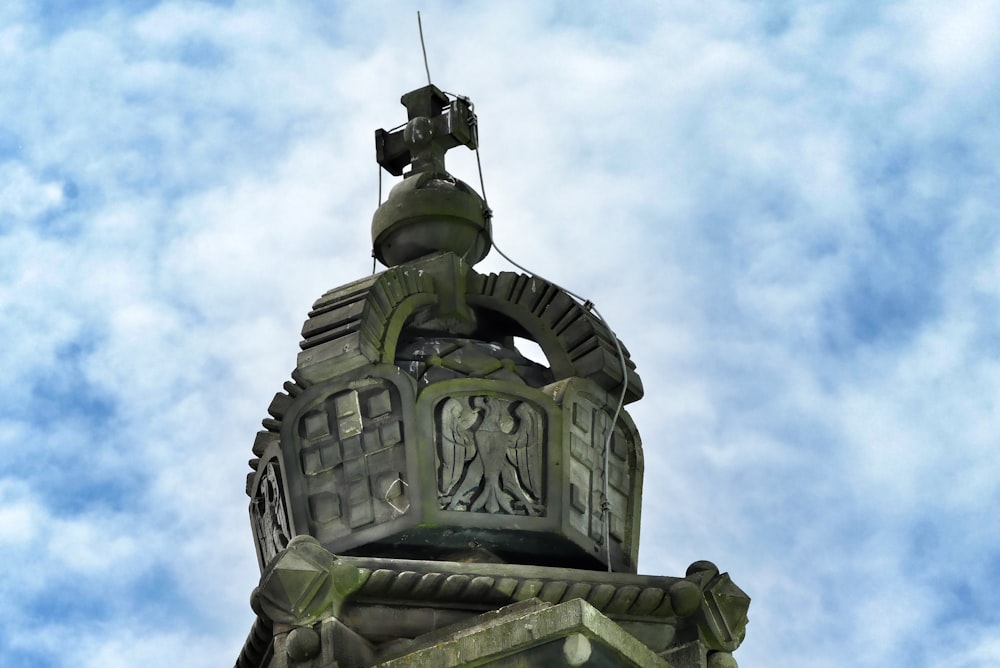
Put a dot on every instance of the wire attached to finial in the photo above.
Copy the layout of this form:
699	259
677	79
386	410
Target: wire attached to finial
420	27
623	365
588	305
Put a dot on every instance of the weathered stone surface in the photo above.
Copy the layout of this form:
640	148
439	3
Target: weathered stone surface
689	655
356	450
407	581
302	644
430	210
568	634
721	660
384	599
269	515
305	583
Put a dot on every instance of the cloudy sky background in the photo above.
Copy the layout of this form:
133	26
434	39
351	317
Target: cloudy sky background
788	212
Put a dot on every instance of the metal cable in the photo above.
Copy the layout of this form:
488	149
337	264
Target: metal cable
589	306
586	303
420	27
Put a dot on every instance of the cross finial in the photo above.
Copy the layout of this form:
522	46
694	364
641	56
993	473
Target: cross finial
435	125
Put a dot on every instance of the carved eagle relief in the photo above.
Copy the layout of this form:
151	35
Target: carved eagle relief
490	452
269	516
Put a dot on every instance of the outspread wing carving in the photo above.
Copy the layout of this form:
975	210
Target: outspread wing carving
457	444
526	454
490	452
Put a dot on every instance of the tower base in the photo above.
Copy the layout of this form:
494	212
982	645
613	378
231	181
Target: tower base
318	610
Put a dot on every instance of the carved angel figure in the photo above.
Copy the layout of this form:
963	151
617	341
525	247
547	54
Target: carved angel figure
490	455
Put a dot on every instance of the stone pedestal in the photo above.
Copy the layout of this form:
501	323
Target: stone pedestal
321	611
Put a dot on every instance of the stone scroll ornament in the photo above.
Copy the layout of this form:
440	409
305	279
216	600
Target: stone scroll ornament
489	455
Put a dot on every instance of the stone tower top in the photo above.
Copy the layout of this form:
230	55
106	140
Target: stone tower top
424	494
415	428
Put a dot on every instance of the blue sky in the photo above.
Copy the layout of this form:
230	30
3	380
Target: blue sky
787	211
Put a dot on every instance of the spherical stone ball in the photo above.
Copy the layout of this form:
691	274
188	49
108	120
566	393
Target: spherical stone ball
685	597
703	567
302	644
721	660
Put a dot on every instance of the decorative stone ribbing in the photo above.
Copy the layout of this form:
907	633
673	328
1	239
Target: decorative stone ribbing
704	598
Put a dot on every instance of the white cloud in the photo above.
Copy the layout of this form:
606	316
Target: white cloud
960	41
786	213
18	516
22	196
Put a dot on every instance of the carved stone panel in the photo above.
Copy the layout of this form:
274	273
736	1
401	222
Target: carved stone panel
490	454
350	452
268	514
588	418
